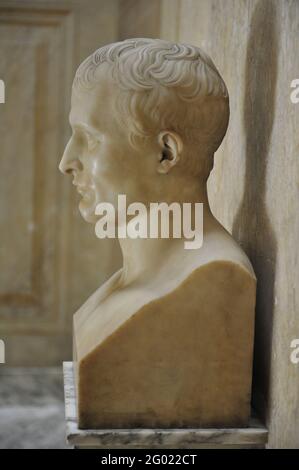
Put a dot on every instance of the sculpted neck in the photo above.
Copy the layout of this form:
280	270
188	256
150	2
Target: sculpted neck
143	256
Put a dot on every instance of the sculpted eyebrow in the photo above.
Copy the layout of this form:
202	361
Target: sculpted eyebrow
84	127
89	129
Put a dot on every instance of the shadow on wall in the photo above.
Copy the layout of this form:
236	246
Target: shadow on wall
252	226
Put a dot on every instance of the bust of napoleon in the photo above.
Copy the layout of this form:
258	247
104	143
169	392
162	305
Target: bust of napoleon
167	341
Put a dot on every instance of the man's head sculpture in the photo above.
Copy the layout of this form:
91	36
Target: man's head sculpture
147	117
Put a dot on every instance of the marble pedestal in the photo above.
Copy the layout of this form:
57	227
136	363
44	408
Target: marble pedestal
255	436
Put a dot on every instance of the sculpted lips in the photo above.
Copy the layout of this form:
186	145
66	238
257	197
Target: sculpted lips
82	190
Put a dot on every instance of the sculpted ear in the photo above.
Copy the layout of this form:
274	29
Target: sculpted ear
171	147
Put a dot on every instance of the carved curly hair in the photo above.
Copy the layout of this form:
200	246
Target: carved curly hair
175	85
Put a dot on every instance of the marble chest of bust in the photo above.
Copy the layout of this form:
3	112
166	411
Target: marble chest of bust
167	341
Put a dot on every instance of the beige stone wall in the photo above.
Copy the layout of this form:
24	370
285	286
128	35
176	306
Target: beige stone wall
254	185
47	251
50	259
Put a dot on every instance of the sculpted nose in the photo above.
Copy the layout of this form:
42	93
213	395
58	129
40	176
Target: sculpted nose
69	162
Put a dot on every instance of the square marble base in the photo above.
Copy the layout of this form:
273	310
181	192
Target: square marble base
255	436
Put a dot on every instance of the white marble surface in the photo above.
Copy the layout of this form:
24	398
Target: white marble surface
255	435
31	408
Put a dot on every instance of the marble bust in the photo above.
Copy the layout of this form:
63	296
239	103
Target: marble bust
167	341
